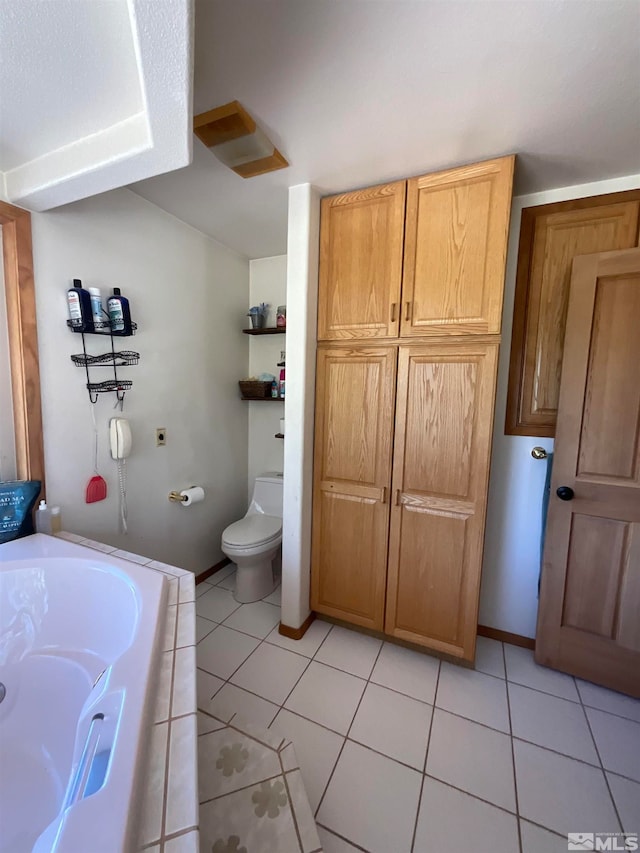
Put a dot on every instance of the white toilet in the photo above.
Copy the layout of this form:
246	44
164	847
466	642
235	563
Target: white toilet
253	542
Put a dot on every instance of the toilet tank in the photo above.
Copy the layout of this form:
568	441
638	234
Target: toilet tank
267	494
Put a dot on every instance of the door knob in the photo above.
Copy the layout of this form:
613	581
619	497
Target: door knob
565	493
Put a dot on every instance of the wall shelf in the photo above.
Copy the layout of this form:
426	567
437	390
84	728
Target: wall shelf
279	435
269	330
263	399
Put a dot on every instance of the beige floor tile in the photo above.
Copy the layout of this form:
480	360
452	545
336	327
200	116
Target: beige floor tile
407	672
618	742
393	724
270	672
327	696
522	669
307	645
371	800
551	722
223	650
474	695
316	749
448	820
350	651
560	793
472	757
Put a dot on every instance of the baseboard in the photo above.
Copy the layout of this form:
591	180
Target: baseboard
296	633
506	637
208	572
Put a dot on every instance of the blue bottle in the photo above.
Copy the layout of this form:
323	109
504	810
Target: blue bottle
119	314
79	302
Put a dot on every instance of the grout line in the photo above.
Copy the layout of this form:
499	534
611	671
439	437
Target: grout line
426	755
513	756
166	765
291	808
237	790
595	744
346	737
341	837
475	796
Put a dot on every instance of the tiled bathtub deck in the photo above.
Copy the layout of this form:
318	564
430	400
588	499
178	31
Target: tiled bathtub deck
169	809
399	752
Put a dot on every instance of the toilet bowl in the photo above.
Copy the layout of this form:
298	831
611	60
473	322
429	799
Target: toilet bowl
253	541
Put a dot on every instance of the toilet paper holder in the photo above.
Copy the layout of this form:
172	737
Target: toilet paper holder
177	497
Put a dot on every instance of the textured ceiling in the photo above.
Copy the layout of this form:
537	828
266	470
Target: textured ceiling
94	94
358	92
69	70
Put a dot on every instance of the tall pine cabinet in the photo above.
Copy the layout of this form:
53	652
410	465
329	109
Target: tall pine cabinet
409	309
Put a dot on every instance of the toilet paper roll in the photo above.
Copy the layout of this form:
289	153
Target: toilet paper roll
193	495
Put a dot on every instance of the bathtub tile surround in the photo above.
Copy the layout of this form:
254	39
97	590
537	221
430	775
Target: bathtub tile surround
169	810
393	754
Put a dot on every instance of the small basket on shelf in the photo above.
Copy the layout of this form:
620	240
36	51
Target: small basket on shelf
252	389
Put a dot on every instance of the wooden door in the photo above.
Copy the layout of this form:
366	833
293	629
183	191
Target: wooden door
455	250
355	394
361	240
588	621
551	236
442	449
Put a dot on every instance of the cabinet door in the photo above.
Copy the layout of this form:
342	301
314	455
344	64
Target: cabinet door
355	391
455	250
551	236
361	236
444	423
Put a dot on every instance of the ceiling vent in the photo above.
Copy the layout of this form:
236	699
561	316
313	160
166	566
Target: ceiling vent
237	141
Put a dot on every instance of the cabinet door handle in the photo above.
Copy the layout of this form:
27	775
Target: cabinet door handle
394	305
407	315
397	497
383	498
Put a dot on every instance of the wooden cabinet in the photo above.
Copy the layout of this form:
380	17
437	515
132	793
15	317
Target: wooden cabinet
456	235
438	270
361	236
550	237
405	557
442	450
355	399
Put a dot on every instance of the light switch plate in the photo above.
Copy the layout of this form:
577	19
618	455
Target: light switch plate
161	437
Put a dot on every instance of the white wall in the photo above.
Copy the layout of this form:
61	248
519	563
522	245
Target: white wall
268	283
509	595
189	296
302	302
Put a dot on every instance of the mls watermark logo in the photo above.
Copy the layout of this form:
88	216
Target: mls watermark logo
610	841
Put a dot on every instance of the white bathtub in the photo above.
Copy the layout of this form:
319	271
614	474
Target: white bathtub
79	638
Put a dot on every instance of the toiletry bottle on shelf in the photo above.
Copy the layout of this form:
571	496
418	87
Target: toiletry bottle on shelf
274	388
96	311
282	382
79	302
119	313
43	518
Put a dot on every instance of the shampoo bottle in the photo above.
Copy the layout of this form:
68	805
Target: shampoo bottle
96	310
119	313
282	383
43	518
79	302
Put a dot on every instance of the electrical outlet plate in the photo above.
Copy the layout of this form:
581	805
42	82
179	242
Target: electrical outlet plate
161	437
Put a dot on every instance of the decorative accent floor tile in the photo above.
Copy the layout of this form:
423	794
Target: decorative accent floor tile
252	799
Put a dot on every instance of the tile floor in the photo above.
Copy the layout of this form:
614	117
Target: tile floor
400	752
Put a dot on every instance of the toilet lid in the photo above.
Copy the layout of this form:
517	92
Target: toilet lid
252	530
